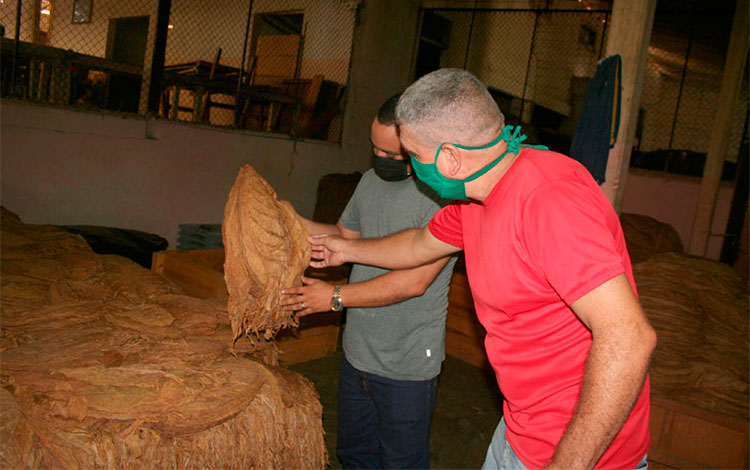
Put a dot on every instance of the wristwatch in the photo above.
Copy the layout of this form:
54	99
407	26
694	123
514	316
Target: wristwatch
336	303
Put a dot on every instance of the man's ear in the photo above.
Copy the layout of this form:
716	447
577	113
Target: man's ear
450	159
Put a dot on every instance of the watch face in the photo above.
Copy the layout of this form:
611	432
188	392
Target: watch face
336	304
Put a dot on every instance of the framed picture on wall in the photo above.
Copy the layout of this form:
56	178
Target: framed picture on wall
82	11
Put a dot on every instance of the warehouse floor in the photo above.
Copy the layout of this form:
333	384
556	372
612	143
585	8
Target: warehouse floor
467	409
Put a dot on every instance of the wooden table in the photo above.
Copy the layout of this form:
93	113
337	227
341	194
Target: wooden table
47	74
195	76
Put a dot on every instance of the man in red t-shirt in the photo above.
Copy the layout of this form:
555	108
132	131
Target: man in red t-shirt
549	272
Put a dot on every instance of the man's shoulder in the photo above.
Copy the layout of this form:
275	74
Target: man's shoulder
544	168
548	164
369	185
368	177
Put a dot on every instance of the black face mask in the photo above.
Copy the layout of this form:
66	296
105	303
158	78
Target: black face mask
389	169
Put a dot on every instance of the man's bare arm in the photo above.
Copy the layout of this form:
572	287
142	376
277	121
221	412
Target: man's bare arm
386	289
622	343
318	228
403	250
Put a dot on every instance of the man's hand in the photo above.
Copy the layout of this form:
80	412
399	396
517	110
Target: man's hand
313	297
327	250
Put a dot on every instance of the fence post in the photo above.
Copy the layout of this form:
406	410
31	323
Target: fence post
629	36
237	101
528	67
15	50
157	59
679	93
717	146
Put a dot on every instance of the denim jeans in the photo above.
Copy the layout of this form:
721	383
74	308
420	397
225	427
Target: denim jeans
500	455
383	423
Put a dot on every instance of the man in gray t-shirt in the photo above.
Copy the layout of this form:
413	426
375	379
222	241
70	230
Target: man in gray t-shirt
394	339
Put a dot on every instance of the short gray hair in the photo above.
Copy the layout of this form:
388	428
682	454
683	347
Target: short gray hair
450	105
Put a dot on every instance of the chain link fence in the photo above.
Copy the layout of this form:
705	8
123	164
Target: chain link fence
76	53
535	62
681	87
265	65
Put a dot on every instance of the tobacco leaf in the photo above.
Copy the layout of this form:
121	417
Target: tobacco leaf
699	309
107	365
266	250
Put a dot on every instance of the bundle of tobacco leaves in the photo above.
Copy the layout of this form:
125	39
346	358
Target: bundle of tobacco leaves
699	309
105	364
266	250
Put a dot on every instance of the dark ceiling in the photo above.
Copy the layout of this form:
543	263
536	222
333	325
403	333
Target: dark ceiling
696	5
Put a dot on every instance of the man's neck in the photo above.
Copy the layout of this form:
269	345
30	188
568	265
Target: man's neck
480	188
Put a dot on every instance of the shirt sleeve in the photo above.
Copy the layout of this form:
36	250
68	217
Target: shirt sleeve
446	225
429	207
350	217
570	235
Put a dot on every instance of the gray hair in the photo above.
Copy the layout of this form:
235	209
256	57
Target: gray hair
450	105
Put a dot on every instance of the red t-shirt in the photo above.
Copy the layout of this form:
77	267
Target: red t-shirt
544	237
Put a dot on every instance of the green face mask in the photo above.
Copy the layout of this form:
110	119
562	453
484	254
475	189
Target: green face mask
449	188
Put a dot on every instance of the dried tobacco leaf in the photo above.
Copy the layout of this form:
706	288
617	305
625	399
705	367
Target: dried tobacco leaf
699	309
646	237
106	366
266	250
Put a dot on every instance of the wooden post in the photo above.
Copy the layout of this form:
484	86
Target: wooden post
307	104
204	113
629	35
717	146
44	79
199	95
59	89
175	102
35	66
157	58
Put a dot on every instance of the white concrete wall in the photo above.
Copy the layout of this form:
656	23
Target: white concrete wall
673	199
68	167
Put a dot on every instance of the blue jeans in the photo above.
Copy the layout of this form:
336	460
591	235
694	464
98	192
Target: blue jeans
383	423
500	455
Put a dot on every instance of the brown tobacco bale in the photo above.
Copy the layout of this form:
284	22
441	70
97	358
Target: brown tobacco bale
105	365
266	250
646	237
699	309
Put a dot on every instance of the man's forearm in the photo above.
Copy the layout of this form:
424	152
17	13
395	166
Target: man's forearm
403	250
615	373
317	228
391	287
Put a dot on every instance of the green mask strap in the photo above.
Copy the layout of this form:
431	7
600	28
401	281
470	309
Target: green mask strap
514	142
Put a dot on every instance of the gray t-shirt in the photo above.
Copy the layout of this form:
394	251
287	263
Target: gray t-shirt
406	340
